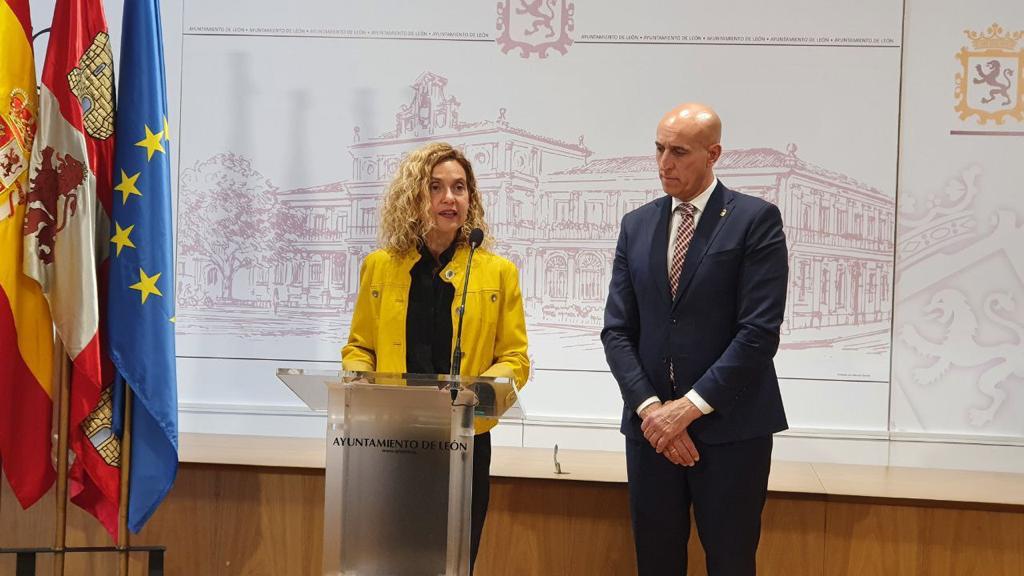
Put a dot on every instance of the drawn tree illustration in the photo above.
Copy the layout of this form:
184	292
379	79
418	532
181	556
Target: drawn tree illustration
231	215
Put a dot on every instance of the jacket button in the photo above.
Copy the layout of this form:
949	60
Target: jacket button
449	274
674	321
374	293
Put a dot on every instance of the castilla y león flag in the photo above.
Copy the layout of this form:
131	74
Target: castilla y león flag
66	235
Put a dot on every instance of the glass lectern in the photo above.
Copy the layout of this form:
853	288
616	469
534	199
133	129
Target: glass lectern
399	467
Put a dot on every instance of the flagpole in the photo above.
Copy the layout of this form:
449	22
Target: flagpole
61	491
126	466
123	540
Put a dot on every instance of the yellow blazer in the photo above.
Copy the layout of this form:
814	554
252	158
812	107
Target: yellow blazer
493	330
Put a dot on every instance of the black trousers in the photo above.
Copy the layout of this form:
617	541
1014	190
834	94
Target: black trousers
481	492
727	489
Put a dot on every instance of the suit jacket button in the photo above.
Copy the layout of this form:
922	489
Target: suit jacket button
674	321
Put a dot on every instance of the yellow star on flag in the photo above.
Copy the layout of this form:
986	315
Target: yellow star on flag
167	131
147	285
127	186
121	238
152	142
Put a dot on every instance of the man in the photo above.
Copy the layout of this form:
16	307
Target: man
692	322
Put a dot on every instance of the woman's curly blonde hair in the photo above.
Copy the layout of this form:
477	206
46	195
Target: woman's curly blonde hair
405	218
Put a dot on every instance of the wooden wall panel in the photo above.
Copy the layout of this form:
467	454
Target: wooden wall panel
217	520
555	527
24	528
241	520
868	539
792	537
228	520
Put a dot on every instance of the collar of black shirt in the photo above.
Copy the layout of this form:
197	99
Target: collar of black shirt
444	258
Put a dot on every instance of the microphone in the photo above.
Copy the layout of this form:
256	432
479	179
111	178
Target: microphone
476	238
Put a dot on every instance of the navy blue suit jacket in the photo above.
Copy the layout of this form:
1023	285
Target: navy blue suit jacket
721	331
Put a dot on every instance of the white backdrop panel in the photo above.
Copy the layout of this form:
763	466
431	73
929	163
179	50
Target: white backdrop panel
308	131
959	319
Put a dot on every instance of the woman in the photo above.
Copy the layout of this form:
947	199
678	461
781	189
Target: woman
410	290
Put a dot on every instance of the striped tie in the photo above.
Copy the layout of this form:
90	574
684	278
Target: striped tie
683	236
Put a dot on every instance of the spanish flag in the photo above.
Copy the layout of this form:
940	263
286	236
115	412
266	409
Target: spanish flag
26	331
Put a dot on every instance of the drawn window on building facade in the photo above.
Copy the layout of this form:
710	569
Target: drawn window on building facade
515	211
594	212
823	218
885	287
803	280
841	222
280	274
262	276
871	288
319	222
561	211
316	273
556	277
856	290
858	225
297	272
591	277
840	286
871	226
338	270
824	287
211	276
368	217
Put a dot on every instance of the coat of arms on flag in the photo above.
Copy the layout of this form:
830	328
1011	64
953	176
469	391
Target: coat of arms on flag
988	84
16	130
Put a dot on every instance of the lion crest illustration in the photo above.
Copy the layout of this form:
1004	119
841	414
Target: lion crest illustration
959	347
51	184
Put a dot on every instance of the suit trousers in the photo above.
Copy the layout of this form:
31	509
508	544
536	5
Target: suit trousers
727	490
481	492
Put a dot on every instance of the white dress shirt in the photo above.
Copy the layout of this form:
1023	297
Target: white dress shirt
699	203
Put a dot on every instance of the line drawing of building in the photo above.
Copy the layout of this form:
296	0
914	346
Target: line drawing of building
554	209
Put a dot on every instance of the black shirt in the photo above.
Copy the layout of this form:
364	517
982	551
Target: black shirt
428	321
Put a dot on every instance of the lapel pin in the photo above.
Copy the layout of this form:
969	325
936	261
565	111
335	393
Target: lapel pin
722	213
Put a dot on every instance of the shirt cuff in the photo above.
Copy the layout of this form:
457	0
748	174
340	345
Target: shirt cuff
699	402
647	403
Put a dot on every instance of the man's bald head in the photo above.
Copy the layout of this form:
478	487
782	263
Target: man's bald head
699	120
688	145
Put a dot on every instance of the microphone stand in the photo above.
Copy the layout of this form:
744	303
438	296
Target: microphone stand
456	386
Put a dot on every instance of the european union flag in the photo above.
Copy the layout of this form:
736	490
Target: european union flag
141	305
